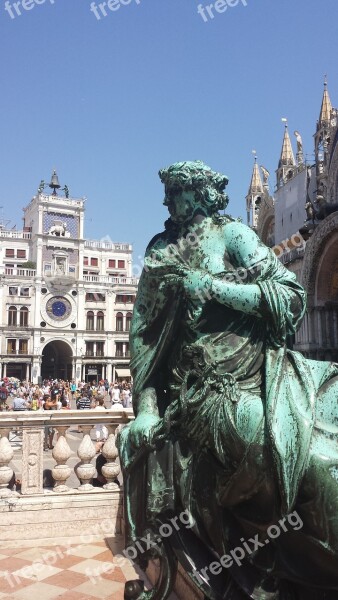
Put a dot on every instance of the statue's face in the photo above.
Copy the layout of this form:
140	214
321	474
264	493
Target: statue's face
181	204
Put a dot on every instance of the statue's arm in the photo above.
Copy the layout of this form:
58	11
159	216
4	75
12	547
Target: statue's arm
246	298
247	253
256	290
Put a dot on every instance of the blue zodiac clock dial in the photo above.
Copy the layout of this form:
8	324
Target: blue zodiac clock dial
58	308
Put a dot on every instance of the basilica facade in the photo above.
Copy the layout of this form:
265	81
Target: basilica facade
299	220
66	301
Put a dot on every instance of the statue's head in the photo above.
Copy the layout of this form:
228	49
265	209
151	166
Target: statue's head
192	188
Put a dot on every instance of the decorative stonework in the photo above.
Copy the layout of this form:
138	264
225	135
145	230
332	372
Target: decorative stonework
266	216
332	182
32	461
314	249
51	316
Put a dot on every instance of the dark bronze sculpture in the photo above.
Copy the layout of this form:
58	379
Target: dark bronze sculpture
231	425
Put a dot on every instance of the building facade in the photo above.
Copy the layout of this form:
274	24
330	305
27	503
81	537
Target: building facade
66	301
302	217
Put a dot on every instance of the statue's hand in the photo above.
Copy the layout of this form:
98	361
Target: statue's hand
141	430
197	283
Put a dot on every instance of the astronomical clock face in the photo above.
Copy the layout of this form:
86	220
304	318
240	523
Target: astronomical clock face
58	308
58	311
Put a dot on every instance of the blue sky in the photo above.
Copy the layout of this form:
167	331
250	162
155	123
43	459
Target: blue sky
108	102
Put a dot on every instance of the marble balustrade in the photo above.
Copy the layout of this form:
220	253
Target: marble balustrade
31	426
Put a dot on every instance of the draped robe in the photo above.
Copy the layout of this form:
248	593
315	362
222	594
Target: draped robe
260	417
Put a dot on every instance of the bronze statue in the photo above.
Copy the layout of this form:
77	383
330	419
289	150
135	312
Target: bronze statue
231	425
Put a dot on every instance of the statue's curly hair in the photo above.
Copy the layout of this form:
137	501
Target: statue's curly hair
207	184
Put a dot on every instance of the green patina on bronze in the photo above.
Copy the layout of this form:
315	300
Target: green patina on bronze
230	423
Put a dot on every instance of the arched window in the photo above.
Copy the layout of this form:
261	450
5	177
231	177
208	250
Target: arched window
100	321
128	321
90	321
24	316
12	316
119	322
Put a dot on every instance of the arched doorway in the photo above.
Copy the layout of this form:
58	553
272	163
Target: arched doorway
320	279
56	361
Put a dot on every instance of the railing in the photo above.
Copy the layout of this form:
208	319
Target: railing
108	246
32	429
17	272
110	280
122	330
16	235
15	353
125	280
61	200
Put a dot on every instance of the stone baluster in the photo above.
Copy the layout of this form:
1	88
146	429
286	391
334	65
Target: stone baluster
6	473
85	470
61	453
111	469
5	432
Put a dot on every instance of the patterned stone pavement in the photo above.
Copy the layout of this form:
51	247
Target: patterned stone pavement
85	572
71	572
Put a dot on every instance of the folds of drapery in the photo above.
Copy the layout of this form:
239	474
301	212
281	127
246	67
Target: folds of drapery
289	384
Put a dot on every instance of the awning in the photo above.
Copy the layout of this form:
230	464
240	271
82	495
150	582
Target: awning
123	372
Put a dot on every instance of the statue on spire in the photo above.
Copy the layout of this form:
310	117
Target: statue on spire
266	176
300	156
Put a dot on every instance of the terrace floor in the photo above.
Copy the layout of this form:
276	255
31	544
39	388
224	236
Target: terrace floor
83	572
70	572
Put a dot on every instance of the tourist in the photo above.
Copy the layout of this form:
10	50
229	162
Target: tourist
20	403
84	402
3	397
117	405
100	429
73	388
116	393
49	404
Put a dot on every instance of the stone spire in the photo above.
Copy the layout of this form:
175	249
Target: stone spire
325	127
326	108
254	197
256	186
287	157
287	164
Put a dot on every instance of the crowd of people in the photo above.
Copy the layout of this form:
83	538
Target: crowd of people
62	395
57	394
